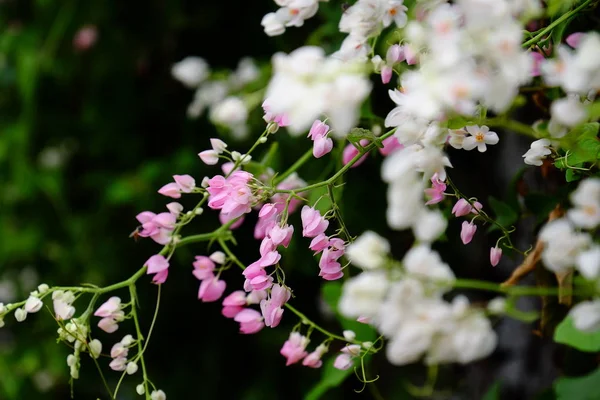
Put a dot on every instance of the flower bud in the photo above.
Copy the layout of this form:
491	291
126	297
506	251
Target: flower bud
95	348
20	315
43	288
131	368
140	389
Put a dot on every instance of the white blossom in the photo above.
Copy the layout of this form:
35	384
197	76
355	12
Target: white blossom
586	199
363	294
586	316
191	71
368	251
538	151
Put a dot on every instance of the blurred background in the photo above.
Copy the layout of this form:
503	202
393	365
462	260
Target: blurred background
92	124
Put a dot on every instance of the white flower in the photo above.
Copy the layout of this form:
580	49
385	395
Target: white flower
20	314
62	309
273	24
43	288
424	263
232	113
568	111
411	342
395	12
480	137
588	263
429	225
402	299
95	348
246	72
586	316
537	152
208	94
497	305
131	368
33	304
586	200
363	294
158	395
191	71
368	251
562	244
140	389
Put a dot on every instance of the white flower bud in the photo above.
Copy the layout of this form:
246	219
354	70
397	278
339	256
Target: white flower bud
57	294
218	257
199	211
127	340
74	372
497	305
218	145
131	368
158	395
71	360
78	345
2	308
140	389
20	315
33	304
95	348
43	288
349	335
204	182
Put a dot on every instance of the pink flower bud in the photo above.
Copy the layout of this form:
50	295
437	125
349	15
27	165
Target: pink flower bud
156	263
251	321
175	208
386	74
574	39
170	190
203	267
467	232
209	157
343	362
293	348
495	255
109	307
218	145
185	182
318	130
395	54
313	223
462	207
211	289
390	145
85	38
322	146
350	151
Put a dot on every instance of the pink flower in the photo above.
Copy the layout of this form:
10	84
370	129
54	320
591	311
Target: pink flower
350	151
159	265
85	38
271	308
467	232
313	223
251	321
157	226
278	120
321	143
462	207
537	59
108	325
386	74
109	307
331	269
203	267
256	296
211	289
363	320
231	195
170	190
281	235
495	255
175	208
313	360
118	350
185	182
574	39
293	348
267	219
320	242
436	192
234	304
209	157
118	364
343	362
390	145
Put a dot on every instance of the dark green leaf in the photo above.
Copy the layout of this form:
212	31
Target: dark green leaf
505	215
332	377
493	393
581	388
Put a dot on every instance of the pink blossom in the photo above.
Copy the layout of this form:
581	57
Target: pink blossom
118	364
231	195
280	119
175	208
321	143
251	321
159	265
343	361
467	232
85	38
395	54
170	190
108	325
293	348
537	59
574	39
109	307
386	74
267	219
313	360
272	307
234	304
390	145
436	192
318	129
412	57
313	223
363	320
157	226
160	277
281	235
320	242
462	207
209	157
256	296
331	269
495	255
261	282
350	151
225	219
203	267
118	350
211	289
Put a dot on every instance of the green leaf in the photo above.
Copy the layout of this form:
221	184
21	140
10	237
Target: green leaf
541	204
331	377
457	123
493	393
566	333
357	134
581	388
505	214
583	144
572	175
558	6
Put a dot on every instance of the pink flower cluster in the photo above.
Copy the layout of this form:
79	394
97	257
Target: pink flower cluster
345	360
119	353
111	313
232	195
182	184
211	287
235	306
314	226
294	350
159	227
436	192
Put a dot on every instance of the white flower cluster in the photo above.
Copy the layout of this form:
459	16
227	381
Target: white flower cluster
306	84
406	203
290	13
76	332
407	306
567	246
226	108
364	20
469	53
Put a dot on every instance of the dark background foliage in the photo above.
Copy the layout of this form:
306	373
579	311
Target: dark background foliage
86	139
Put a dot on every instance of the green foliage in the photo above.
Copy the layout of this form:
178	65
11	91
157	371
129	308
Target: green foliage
505	215
331	377
559	7
581	388
566	333
493	393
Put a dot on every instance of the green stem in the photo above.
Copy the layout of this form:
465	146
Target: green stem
555	23
518	127
301	161
337	214
204	237
508	290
